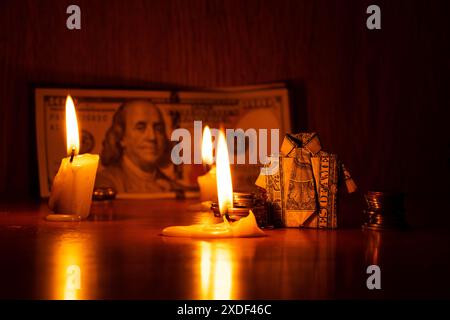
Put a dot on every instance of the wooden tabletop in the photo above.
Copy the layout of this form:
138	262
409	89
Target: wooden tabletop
119	254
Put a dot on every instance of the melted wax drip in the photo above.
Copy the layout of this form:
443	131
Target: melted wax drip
245	227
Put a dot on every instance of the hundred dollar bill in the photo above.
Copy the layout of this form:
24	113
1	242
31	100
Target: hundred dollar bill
131	130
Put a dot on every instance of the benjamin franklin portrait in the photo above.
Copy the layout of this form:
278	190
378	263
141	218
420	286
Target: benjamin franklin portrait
135	149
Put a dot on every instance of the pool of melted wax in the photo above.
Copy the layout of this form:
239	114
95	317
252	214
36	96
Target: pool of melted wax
245	227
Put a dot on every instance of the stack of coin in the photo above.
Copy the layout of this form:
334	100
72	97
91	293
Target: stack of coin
385	211
242	203
244	199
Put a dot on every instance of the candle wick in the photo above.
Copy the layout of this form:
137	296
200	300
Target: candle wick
72	154
226	214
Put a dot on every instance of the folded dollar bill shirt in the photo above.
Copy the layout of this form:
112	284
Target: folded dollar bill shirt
303	188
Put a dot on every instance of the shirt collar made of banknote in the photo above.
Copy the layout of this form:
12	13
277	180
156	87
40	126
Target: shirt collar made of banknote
306	140
294	143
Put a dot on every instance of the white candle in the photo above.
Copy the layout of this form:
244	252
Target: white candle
208	186
72	188
207	182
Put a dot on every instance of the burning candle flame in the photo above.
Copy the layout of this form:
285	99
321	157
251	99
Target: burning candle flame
72	135
224	183
207	151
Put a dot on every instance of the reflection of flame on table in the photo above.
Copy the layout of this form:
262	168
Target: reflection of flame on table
216	271
73	282
67	282
69	258
373	247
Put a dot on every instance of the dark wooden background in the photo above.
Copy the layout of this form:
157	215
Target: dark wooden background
377	98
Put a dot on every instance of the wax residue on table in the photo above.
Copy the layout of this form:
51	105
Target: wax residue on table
245	227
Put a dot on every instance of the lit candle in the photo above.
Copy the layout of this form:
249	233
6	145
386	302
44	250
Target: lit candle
245	227
72	188
207	182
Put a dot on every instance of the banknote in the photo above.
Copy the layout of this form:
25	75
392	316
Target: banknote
112	124
300	197
302	192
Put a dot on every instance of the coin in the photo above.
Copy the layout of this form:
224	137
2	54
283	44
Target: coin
103	194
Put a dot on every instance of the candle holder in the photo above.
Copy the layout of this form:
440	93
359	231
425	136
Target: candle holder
385	211
242	203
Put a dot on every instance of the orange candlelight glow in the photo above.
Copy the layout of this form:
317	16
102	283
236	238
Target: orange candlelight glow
224	183
72	134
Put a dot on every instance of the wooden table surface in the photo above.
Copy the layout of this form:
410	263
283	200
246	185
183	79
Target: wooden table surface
120	254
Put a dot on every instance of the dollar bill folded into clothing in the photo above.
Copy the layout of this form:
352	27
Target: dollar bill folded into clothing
302	183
